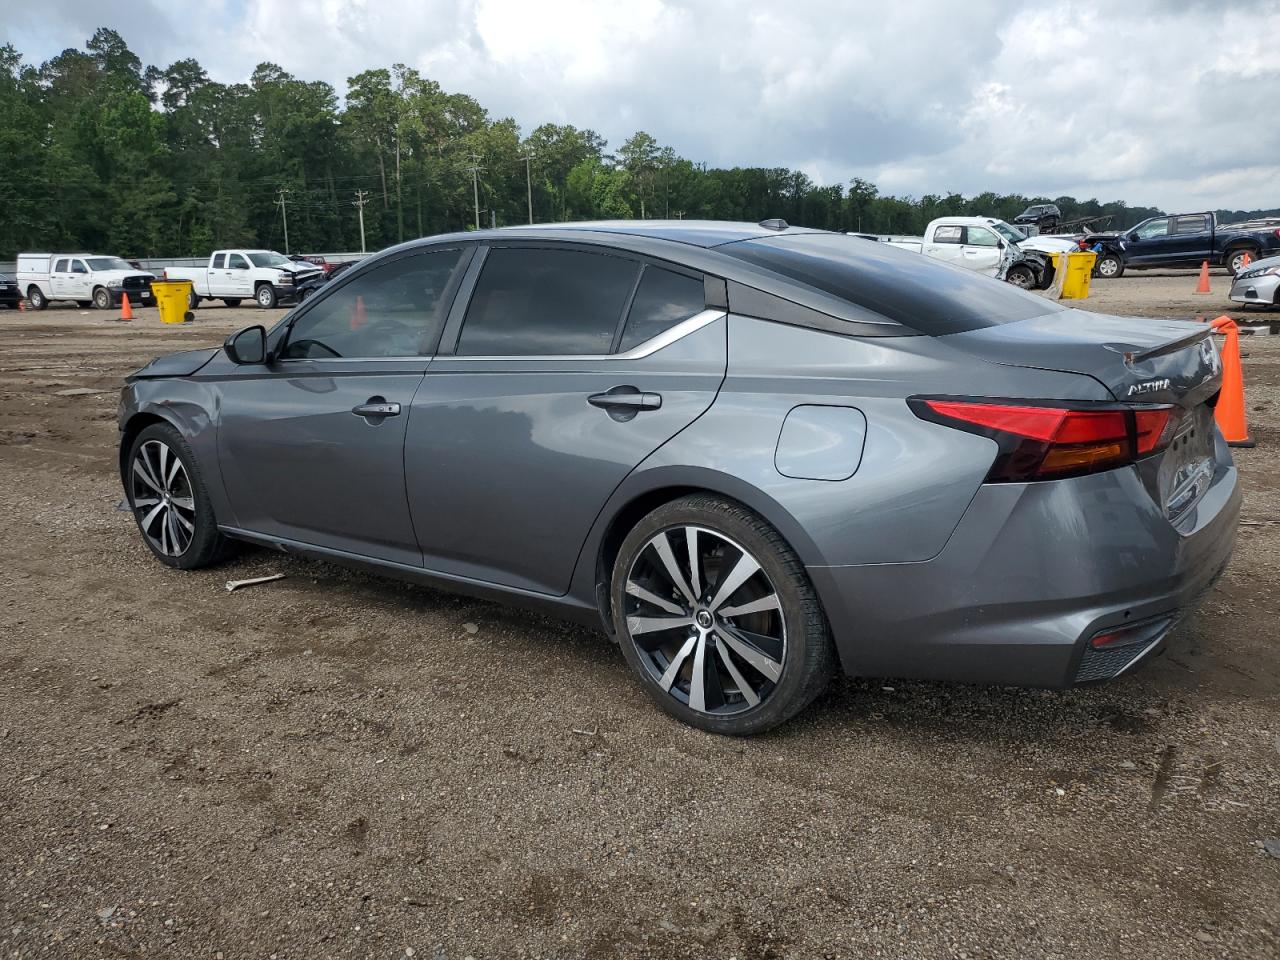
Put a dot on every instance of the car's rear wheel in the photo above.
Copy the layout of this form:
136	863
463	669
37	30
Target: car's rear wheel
192	300
718	618
1109	266
170	501
1021	277
36	297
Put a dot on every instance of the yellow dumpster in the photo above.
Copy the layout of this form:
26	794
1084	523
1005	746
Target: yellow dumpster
172	297
1071	274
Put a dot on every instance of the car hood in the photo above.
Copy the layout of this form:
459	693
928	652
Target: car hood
175	364
1266	263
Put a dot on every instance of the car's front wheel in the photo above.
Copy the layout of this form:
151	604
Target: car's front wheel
266	296
170	501
101	298
36	297
1021	277
717	617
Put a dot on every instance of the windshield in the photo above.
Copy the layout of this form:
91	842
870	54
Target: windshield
270	259
1006	231
107	263
909	288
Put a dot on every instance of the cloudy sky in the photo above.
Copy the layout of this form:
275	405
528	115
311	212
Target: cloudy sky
1169	103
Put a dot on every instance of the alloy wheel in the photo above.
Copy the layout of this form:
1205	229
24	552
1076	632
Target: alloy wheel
706	620
162	498
1107	267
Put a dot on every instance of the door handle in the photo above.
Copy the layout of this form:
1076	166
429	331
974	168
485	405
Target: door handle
376	409
632	399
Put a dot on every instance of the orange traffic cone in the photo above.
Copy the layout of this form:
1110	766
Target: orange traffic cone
1230	411
126	311
357	315
1245	260
1204	278
22	304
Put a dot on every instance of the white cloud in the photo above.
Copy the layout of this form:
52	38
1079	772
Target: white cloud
1150	102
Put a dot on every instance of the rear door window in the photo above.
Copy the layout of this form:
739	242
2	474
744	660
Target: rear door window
535	301
663	299
219	260
60	267
1191	225
948	235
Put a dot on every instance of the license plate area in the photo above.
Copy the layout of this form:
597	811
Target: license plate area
1186	468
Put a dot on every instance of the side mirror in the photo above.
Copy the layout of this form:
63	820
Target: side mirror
248	345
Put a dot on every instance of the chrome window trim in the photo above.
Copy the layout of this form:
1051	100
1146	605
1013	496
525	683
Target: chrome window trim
638	352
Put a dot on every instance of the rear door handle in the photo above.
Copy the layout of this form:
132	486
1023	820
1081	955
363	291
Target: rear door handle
376	408
626	398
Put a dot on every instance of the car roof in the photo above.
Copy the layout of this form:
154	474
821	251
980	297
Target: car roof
698	233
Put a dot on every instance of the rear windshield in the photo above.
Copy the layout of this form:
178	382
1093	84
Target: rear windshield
901	285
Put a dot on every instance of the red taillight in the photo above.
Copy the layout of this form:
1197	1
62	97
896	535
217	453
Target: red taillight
1045	442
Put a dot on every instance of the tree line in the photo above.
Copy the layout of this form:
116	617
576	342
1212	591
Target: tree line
105	154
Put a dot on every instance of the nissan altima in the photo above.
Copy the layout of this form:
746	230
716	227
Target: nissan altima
753	454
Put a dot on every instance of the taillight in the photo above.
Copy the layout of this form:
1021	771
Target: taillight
1040	441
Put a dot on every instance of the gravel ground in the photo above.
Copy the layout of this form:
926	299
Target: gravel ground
334	765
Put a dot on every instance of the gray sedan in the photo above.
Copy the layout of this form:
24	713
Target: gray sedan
753	455
1258	283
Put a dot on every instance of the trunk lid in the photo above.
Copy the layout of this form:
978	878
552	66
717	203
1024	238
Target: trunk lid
1138	360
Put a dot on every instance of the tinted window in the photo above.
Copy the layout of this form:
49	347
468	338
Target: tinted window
236	262
1186	225
535	302
219	261
61	267
900	285
948	234
394	310
662	300
77	266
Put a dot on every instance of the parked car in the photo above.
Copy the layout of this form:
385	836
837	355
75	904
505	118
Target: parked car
1258	283
1184	240
232	276
1045	217
89	279
9	295
751	454
983	244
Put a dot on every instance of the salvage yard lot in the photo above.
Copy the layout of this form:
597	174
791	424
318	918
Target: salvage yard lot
338	765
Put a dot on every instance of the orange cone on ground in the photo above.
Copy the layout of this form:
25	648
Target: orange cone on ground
22	304
357	316
126	311
1204	278
1230	411
1245	260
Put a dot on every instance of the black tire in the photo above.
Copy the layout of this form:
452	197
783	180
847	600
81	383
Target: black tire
1109	266
192	300
1021	277
1233	259
36	298
807	656
101	298
266	296
231	301
199	547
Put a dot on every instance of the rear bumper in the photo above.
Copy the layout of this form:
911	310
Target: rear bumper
1032	572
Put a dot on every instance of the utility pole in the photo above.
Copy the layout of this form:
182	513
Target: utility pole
362	197
475	184
281	194
528	182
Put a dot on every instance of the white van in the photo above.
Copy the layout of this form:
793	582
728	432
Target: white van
87	278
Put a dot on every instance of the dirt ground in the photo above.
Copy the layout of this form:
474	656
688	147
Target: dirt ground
335	765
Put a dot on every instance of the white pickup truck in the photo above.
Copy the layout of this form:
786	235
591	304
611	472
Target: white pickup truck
234	275
989	246
86	278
